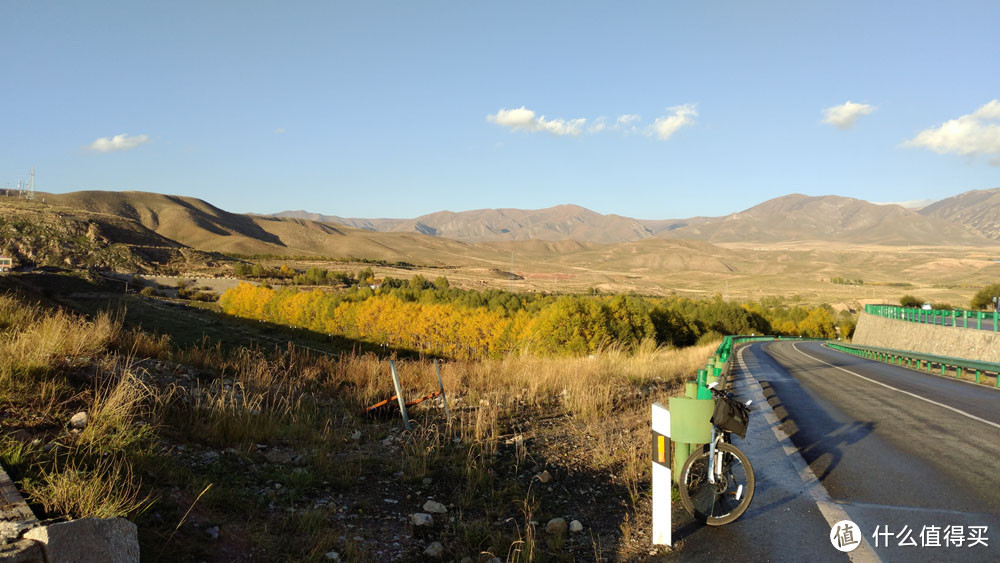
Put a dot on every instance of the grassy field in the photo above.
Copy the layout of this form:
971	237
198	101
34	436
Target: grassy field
223	450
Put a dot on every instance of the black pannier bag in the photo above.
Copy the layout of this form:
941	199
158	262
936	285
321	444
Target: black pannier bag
731	415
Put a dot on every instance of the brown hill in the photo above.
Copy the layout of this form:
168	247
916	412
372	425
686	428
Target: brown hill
799	217
40	234
199	224
978	209
562	222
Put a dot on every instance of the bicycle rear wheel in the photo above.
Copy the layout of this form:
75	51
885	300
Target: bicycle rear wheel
725	500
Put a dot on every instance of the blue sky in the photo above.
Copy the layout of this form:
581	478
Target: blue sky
396	109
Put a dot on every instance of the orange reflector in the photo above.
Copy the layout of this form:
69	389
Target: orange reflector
660	448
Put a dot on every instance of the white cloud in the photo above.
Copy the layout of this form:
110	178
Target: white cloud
599	124
977	133
626	120
846	114
524	119
118	143
279	131
681	116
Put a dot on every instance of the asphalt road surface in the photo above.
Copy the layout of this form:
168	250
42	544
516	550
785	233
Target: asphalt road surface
910	455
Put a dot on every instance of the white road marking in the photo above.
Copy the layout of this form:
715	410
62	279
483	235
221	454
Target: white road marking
831	511
914	395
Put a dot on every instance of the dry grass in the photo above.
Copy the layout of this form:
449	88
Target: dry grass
105	489
309	404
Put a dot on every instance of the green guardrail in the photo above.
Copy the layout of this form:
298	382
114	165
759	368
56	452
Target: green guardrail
690	415
923	362
936	316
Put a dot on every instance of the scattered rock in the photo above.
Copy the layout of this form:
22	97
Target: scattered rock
427	481
421	519
435	550
115	540
356	435
556	526
435	507
79	421
279	456
332	556
544	476
212	532
575	526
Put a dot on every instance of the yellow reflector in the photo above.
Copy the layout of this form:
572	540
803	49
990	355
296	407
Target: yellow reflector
660	447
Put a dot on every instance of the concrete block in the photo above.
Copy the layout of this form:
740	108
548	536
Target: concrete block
111	540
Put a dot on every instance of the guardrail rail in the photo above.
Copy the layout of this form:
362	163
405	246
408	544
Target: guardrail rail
935	316
923	362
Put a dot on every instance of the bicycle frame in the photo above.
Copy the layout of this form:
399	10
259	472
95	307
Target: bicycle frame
713	466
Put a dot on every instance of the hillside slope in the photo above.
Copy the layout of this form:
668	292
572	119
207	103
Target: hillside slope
978	209
199	224
799	217
39	234
562	222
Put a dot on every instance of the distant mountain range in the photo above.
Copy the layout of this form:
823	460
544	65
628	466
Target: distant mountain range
969	218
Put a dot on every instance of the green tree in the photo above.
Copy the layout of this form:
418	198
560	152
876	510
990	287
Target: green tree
910	301
984	297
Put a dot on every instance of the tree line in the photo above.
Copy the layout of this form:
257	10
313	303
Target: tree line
434	318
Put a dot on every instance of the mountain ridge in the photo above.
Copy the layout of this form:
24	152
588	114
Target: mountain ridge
789	218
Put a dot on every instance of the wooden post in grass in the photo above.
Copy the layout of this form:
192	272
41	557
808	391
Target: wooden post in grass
399	395
444	399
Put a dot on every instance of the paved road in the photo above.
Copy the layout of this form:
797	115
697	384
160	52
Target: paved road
881	445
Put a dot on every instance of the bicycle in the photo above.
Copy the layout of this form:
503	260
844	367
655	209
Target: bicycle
717	483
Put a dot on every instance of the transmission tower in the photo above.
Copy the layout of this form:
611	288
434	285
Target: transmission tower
31	185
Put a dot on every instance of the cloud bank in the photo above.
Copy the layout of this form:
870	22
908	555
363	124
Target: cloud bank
846	115
524	119
118	143
977	133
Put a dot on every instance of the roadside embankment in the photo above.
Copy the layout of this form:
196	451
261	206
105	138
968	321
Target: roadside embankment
955	342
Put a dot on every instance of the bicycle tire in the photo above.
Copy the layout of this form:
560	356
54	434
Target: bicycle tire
711	503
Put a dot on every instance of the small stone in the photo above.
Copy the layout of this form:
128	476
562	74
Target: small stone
544	476
332	556
556	526
435	507
79	421
390	501
212	532
421	519
435	550
575	526
356	435
427	481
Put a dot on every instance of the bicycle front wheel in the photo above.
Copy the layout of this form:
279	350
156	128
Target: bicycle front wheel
728	497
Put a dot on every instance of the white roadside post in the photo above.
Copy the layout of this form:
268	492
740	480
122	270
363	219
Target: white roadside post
661	475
